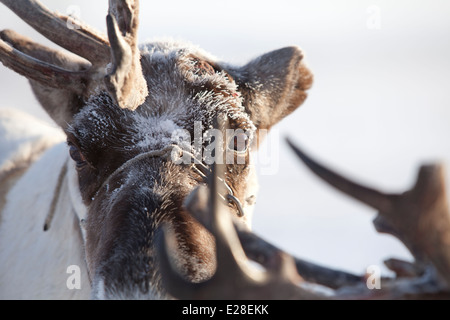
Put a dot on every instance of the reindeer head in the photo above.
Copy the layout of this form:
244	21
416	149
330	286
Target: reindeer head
127	111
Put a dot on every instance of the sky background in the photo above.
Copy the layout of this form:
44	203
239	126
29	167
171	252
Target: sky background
378	109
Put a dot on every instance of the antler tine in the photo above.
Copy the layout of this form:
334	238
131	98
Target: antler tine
82	40
43	53
35	69
125	80
239	243
280	279
371	197
419	218
230	272
233	278
230	254
261	251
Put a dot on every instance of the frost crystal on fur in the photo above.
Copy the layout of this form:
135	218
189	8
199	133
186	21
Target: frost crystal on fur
179	97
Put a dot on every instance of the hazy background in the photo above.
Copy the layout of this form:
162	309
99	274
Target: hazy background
379	106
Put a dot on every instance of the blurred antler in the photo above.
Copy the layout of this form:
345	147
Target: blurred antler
83	41
419	218
234	278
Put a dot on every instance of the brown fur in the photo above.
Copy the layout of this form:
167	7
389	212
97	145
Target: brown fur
122	218
125	214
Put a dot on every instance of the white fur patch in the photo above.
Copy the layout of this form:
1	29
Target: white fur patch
23	138
33	263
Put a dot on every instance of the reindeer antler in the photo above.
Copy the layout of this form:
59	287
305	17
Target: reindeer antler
123	79
82	41
233	279
420	218
29	59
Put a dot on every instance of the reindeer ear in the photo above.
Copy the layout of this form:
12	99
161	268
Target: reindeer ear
273	85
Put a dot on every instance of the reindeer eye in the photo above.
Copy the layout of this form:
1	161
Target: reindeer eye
76	155
239	142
